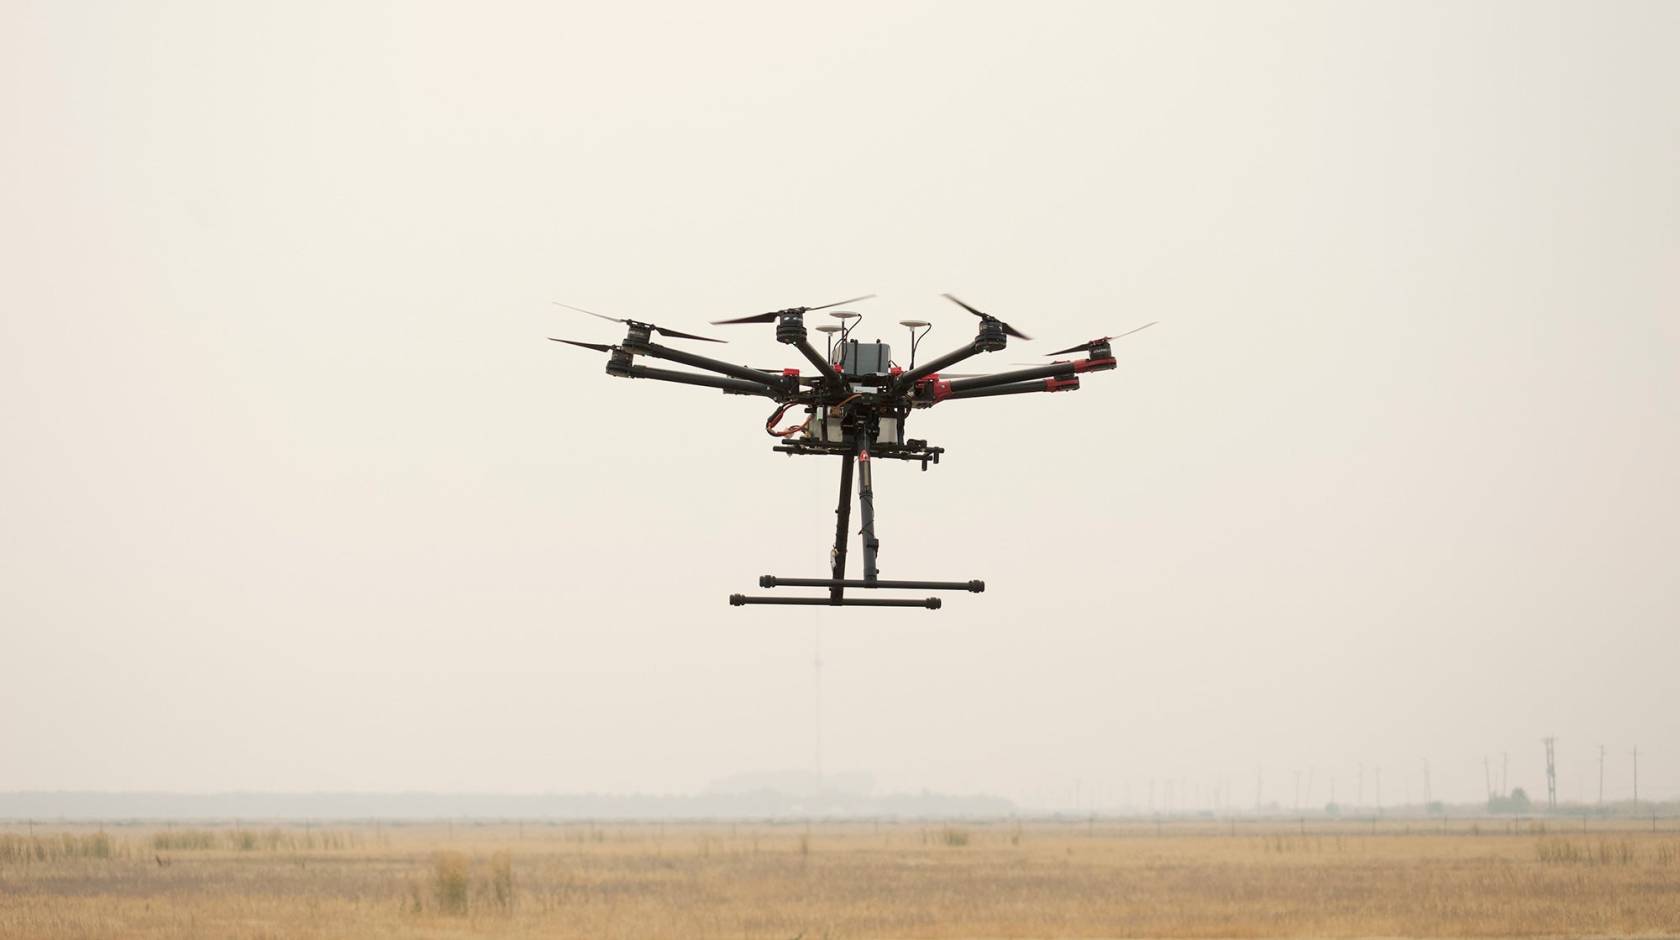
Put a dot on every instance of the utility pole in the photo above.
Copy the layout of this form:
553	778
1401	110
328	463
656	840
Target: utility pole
1601	775
1297	791
1636	777
1487	776
816	667
1378	770
1426	794
1504	772
1359	793
1551	775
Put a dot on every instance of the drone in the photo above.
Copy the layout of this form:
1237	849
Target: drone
856	403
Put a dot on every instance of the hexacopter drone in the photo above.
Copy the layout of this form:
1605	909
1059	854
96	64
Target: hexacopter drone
855	406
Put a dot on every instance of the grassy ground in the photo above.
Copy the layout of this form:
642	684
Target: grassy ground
905	880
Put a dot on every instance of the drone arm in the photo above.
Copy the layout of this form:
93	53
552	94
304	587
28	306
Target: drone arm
1059	370
764	381
909	379
735	386
1052	384
819	360
1056	370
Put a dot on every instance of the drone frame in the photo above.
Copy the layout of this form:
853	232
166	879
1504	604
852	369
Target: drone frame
862	401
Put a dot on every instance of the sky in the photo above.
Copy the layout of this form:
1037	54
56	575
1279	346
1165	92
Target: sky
297	495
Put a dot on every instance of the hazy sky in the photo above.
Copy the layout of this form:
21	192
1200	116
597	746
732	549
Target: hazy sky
297	496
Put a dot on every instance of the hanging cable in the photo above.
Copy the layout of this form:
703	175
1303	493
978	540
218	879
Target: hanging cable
789	431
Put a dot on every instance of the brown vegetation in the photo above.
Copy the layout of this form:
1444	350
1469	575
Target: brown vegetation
907	880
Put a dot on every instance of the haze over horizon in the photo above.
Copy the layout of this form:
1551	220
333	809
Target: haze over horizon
300	498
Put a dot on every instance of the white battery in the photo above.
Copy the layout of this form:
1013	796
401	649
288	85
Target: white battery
825	428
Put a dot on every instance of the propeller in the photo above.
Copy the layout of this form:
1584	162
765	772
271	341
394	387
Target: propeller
774	314
663	331
1103	341
1007	329
598	347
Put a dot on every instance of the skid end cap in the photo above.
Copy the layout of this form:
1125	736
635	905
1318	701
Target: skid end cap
977	587
934	603
737	600
767	580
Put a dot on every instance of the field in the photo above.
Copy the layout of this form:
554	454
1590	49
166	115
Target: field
1101	878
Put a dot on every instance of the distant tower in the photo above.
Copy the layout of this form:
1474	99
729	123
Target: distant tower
1551	774
816	666
1601	775
1636	777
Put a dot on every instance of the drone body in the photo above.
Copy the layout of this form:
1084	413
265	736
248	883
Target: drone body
856	404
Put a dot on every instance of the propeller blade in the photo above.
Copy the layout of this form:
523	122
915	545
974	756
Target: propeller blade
772	316
598	347
1093	344
841	302
590	312
1007	329
1130	332
663	331
755	318
668	332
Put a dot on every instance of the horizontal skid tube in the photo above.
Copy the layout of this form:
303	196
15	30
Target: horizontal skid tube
820	449
931	603
771	581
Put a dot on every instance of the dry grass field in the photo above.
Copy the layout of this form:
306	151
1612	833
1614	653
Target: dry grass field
906	880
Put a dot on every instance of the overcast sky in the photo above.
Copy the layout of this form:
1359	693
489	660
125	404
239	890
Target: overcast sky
297	496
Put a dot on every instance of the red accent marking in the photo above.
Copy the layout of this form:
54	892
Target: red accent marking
1061	385
1083	365
931	381
792	372
896	370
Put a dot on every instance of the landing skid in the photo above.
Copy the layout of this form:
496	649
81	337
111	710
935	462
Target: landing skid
837	582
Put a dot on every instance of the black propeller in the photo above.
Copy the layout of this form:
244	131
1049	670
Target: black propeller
598	347
1007	329
1102	341
774	314
663	331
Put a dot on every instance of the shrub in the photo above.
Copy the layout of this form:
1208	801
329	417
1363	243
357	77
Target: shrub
449	882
